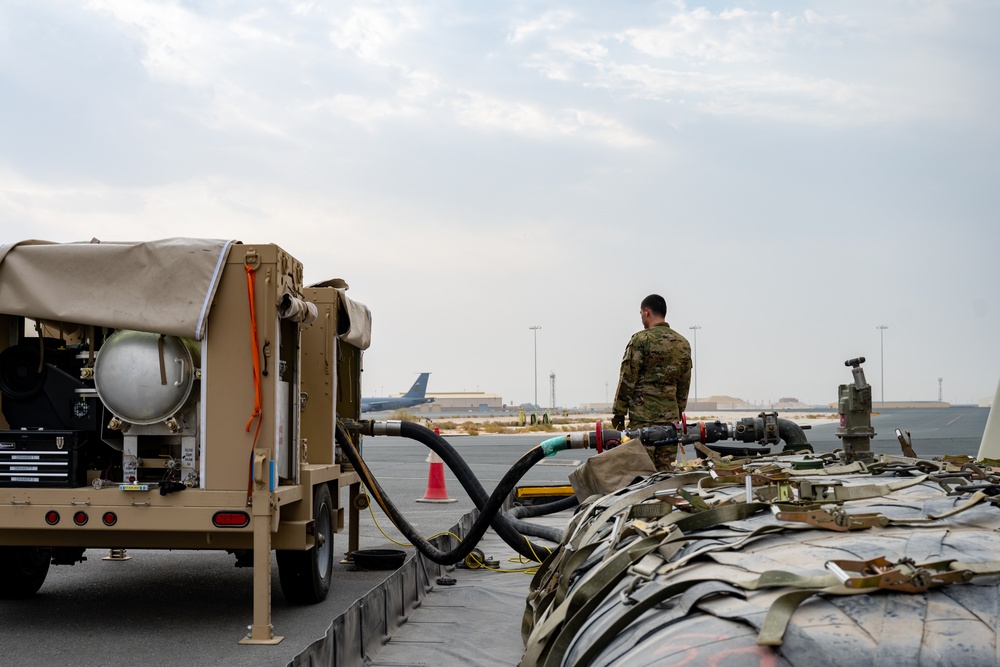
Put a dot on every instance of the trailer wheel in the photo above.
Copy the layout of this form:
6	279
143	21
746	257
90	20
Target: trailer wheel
22	571
305	575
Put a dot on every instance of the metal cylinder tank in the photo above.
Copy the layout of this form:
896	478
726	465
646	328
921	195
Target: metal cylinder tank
145	378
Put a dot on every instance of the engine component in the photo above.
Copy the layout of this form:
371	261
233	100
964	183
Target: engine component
39	381
145	378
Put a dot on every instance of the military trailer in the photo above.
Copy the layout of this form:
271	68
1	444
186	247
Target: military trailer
175	394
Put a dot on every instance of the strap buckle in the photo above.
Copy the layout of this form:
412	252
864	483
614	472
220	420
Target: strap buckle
835	519
904	576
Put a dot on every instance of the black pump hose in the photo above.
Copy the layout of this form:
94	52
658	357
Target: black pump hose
508	532
490	509
515	514
793	435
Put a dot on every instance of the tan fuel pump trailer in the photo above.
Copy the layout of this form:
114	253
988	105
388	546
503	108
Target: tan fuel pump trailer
175	394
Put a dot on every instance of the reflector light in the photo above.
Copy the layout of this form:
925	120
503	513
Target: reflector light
231	519
80	518
52	517
109	518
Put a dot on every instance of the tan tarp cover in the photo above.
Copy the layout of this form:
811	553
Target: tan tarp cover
614	469
358	331
164	286
354	320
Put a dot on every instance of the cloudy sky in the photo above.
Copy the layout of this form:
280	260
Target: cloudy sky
789	175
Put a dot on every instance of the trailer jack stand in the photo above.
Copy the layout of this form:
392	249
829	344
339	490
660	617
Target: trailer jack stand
261	632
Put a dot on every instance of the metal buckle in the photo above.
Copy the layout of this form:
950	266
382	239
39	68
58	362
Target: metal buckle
904	576
835	519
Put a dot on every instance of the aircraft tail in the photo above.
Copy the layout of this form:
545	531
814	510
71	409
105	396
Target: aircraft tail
419	387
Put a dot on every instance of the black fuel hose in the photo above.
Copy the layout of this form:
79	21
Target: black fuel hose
515	515
509	533
793	435
479	527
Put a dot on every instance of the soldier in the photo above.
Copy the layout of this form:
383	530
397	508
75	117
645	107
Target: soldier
655	377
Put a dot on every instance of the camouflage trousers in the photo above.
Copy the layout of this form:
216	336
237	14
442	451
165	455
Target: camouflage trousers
662	456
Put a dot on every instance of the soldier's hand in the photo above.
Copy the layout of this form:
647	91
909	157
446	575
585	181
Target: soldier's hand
618	422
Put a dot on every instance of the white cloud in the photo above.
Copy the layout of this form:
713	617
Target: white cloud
699	35
369	29
447	155
549	22
181	47
532	121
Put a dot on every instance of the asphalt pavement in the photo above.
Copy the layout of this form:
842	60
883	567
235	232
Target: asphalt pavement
933	431
193	607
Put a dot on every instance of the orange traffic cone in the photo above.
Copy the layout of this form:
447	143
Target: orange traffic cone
436	491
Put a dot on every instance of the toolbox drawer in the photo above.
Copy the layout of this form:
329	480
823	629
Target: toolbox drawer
40	459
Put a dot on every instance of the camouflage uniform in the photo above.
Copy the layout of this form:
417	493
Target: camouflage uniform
653	384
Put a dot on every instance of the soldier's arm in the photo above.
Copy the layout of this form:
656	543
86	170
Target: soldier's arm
627	378
684	383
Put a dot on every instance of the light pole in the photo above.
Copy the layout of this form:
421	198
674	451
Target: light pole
534	330
881	335
695	364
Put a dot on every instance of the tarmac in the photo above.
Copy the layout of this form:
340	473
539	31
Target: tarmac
417	616
476	619
196	605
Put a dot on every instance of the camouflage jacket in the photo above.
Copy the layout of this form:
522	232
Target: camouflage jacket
655	377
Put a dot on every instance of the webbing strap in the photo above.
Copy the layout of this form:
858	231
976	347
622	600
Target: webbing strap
257	411
717	515
780	613
866	491
771	579
974	499
583	596
856	467
585	533
978	569
763	530
251	282
679	608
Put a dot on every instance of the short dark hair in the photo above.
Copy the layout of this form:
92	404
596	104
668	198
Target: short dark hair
656	304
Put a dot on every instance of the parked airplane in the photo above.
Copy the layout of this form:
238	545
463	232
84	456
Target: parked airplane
415	396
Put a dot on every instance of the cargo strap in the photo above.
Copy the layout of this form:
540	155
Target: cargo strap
838	492
658	594
903	576
257	411
835	519
567	615
838	519
585	533
878	573
586	595
851	468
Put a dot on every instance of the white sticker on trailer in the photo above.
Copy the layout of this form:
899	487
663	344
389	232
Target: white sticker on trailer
25	479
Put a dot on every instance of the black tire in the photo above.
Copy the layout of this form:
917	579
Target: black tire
305	575
22	571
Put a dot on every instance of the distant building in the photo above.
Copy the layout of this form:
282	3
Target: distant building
596	407
713	403
461	401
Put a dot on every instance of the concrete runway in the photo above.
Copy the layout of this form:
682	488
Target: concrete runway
193	607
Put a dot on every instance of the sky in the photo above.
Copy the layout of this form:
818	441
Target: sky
788	175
